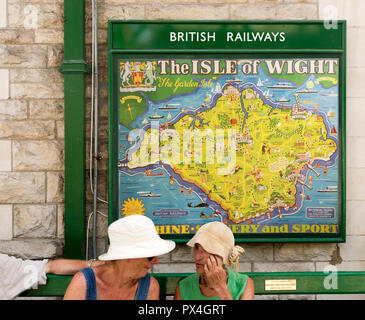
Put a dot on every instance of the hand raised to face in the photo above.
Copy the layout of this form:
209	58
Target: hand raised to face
215	275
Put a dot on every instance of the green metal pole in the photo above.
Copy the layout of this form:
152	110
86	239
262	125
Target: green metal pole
74	68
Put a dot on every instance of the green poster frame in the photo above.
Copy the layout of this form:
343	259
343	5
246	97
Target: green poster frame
142	40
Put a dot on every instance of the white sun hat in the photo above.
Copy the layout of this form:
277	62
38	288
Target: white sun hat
135	236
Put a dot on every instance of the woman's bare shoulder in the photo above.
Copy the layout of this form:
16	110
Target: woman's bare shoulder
76	290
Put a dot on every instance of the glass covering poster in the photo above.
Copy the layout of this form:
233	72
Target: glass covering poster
251	142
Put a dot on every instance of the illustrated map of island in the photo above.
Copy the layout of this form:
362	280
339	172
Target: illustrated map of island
247	154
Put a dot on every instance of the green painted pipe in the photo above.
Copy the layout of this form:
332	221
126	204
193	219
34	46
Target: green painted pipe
74	69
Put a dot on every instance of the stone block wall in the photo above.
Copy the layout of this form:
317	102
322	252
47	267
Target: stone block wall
31	121
31	128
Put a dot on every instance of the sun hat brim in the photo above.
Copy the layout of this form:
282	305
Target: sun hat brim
215	238
154	248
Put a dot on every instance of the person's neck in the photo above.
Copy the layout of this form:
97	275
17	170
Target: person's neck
119	275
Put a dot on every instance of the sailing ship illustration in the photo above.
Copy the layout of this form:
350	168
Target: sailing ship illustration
217	89
333	130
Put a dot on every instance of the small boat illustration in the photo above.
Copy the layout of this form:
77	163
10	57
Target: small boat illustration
331	114
233	80
149	173
331	94
150	195
167	107
329	189
306	91
145	121
156	116
282	100
281	86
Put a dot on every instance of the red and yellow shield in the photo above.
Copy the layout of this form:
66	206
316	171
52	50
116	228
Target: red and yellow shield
137	77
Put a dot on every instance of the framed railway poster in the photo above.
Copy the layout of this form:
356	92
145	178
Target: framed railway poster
238	122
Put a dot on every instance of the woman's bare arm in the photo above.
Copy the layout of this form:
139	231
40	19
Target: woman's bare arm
249	292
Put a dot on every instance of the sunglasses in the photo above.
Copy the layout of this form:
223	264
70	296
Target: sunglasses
151	258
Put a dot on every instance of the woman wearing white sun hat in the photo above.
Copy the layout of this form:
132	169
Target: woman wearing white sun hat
213	249
134	248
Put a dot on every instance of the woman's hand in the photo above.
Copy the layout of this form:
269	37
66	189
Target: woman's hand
216	277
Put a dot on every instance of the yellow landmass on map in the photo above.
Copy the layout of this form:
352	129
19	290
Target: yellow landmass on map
249	156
